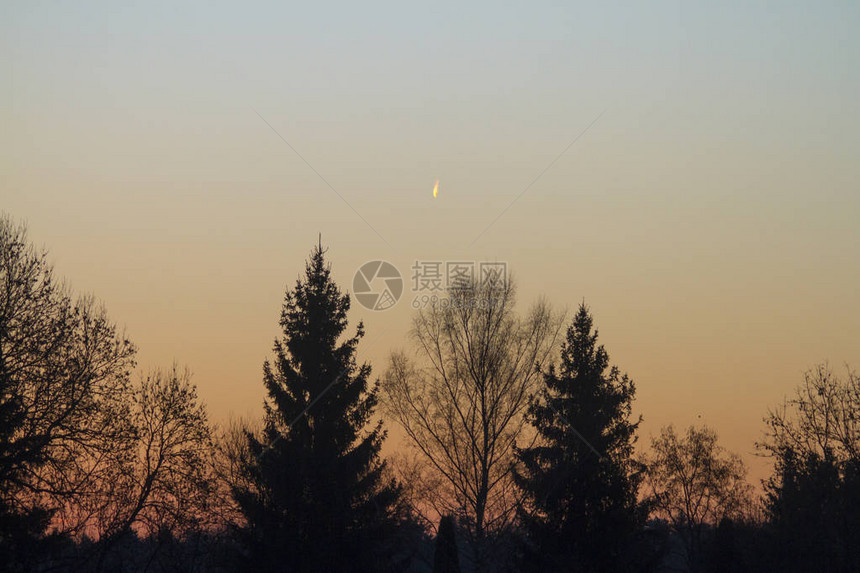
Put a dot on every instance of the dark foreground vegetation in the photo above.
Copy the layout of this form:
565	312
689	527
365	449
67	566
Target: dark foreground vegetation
521	453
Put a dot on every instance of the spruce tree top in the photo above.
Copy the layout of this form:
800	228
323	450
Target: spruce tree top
317	497
314	366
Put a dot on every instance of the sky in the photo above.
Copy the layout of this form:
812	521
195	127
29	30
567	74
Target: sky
688	169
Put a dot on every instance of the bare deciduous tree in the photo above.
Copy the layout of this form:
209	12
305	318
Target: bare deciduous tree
64	383
822	419
813	495
83	450
694	482
160	479
231	456
461	401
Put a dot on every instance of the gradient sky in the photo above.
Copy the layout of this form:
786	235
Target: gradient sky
709	217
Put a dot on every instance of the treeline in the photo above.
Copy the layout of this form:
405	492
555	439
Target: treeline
522	450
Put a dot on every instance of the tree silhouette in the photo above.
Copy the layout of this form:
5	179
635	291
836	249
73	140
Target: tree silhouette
317	497
581	511
725	554
695	484
461	403
64	389
813	497
446	559
161	484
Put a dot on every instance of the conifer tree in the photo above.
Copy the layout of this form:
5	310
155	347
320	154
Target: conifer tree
317	497
580	484
446	558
